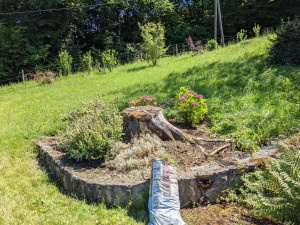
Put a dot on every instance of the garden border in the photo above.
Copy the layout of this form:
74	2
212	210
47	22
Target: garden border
200	183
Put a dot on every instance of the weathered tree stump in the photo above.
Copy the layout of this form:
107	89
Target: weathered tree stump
150	119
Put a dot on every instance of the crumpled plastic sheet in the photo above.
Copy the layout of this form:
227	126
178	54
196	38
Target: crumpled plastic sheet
164	204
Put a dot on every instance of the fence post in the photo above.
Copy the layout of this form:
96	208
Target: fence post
141	56
99	68
103	63
176	50
23	78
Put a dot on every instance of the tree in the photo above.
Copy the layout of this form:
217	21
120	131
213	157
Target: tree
154	41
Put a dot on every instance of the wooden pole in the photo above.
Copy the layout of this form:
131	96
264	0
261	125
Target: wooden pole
103	63
23	76
220	24
216	20
176	50
141	56
99	68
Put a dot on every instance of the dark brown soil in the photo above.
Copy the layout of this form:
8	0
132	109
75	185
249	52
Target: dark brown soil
223	215
188	155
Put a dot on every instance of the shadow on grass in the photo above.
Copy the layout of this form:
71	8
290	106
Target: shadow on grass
218	79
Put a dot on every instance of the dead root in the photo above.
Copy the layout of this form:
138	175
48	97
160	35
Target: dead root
161	125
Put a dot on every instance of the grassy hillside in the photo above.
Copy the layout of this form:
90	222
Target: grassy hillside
247	97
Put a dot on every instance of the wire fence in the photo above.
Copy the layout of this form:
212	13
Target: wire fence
99	63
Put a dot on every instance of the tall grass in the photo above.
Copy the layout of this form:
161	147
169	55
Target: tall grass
247	98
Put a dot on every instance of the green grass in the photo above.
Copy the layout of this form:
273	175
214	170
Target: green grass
247	98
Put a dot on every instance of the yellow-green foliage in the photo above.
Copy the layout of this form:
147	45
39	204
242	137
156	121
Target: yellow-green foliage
275	191
154	40
65	62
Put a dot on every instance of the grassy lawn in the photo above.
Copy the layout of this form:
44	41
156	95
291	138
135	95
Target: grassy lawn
247	97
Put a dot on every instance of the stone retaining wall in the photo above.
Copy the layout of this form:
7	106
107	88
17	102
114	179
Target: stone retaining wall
204	182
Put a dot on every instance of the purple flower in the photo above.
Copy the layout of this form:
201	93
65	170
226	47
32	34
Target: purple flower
182	99
184	95
191	91
194	103
140	97
200	96
153	99
131	102
145	96
195	94
149	99
204	103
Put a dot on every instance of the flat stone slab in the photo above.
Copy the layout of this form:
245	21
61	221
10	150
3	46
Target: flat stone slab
203	182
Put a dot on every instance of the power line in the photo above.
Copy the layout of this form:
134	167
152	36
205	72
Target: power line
66	8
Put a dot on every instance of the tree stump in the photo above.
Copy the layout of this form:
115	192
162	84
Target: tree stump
149	119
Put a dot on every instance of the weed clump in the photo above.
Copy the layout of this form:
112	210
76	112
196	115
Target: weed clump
136	156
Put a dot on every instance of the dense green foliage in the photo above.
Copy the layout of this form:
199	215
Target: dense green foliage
192	107
256	30
275	190
241	35
87	62
286	44
212	45
110	58
93	129
31	41
245	93
153	41
65	63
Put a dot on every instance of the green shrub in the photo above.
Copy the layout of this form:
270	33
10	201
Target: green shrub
110	58
65	62
87	62
154	41
274	191
142	101
256	30
212	45
92	130
191	106
286	45
241	36
43	77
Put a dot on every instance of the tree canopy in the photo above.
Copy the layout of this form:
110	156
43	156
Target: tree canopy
32	40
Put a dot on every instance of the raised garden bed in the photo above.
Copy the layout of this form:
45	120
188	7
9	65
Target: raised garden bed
198	176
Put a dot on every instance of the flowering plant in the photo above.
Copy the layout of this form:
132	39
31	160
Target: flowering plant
191	106
197	48
143	100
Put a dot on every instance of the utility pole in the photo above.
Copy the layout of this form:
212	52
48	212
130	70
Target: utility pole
218	13
220	24
216	20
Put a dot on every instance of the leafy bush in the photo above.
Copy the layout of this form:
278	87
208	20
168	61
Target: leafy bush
274	191
191	106
256	30
110	58
154	41
92	130
143	100
43	77
197	48
212	45
87	62
286	44
241	36
65	62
